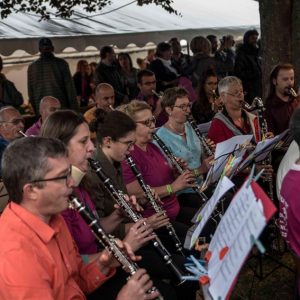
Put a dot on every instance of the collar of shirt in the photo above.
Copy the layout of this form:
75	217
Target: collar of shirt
45	231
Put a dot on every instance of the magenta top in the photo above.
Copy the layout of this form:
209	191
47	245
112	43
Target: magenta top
80	231
35	129
289	222
156	172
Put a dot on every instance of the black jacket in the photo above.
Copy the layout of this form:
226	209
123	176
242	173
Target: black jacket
248	69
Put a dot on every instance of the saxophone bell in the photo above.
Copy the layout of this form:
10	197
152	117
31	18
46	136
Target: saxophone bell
257	103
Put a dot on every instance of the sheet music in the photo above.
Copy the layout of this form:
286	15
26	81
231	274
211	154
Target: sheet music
223	151
262	150
203	215
236	164
264	147
240	226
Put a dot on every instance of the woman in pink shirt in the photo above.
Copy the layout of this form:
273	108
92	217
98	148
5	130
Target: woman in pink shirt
153	166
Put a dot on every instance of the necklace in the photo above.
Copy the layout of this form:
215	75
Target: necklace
174	130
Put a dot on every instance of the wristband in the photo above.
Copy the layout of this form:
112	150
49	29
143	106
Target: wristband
169	189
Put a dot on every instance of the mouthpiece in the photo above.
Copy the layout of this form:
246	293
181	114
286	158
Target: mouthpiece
157	94
24	134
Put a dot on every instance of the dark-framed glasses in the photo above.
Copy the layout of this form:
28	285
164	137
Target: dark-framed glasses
66	177
148	122
184	107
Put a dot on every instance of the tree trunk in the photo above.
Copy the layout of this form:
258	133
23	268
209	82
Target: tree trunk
296	38
276	35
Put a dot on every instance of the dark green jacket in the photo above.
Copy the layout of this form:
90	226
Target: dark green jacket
50	76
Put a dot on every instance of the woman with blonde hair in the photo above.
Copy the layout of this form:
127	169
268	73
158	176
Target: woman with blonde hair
154	167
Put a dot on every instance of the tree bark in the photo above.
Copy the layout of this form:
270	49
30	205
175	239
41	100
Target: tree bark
276	35
296	38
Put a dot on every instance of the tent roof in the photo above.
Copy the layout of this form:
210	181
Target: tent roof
130	24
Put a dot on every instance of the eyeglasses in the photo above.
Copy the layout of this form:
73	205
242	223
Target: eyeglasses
14	122
148	122
129	144
183	107
237	94
66	177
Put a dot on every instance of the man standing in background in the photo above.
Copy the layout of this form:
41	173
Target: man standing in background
50	76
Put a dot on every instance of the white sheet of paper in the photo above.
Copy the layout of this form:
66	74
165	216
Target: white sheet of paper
236	164
243	219
223	151
203	215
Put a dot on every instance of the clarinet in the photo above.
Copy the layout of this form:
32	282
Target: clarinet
263	131
172	158
208	151
151	199
107	241
135	216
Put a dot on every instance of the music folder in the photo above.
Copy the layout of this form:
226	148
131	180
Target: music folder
240	227
261	151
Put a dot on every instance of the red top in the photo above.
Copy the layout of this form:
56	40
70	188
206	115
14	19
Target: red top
219	132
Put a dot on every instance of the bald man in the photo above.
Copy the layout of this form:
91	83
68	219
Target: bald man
105	99
48	105
11	123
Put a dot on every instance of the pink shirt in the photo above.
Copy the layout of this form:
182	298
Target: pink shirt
80	231
289	215
156	172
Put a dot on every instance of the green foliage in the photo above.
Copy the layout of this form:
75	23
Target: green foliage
47	9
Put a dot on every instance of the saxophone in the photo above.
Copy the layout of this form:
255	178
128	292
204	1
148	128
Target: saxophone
291	92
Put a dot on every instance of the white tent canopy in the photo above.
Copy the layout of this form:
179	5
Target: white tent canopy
130	24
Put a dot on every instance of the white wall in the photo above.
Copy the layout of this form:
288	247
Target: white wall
17	72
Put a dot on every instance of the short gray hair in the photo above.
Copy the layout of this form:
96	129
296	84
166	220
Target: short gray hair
4	109
45	99
26	160
226	82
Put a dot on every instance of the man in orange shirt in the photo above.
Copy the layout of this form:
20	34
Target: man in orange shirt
38	258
